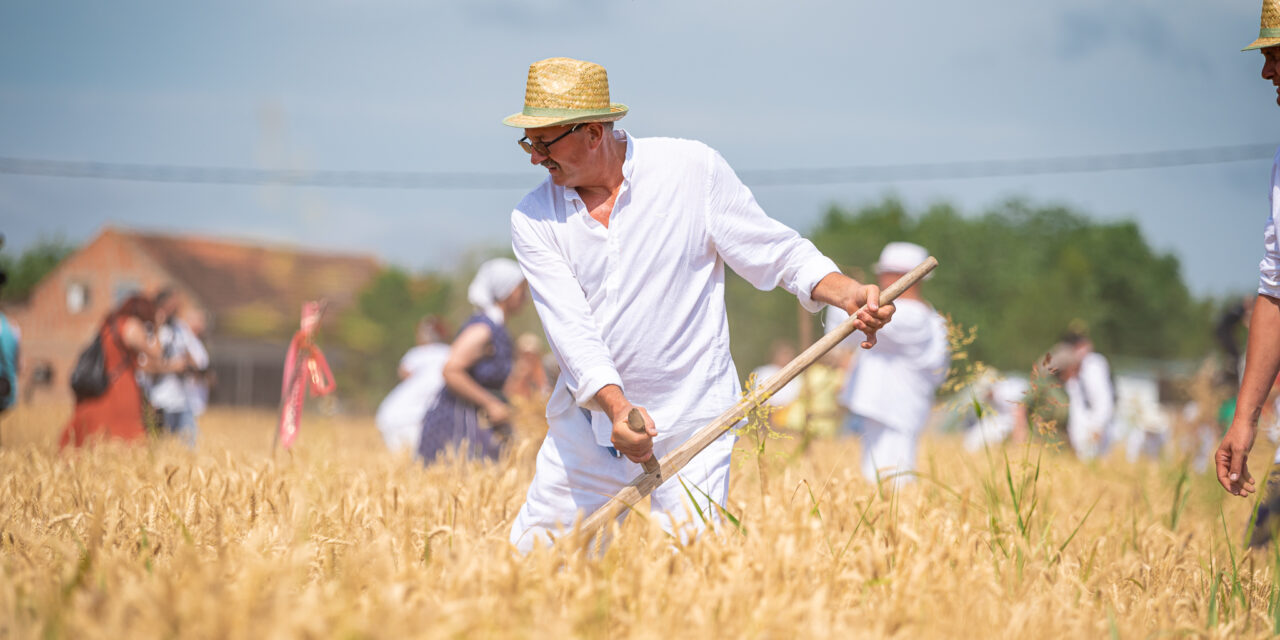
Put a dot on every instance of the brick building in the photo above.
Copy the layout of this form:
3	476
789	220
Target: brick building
248	297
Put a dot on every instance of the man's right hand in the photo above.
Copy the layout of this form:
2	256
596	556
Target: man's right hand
637	446
1232	460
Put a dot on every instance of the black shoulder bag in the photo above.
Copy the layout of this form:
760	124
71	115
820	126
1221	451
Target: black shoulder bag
90	378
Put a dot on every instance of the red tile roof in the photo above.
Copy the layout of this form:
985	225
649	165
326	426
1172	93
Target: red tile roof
252	288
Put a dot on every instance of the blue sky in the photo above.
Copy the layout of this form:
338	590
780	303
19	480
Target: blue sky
421	86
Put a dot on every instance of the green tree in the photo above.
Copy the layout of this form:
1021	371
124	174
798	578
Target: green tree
26	269
1020	274
375	332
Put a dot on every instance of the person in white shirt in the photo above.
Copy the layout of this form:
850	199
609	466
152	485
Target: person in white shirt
781	355
1003	403
184	354
890	389
624	246
1262	357
1091	407
196	382
421	371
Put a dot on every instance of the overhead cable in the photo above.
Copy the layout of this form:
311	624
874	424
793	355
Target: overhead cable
885	173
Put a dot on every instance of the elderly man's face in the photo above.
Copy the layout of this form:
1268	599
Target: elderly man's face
564	158
1271	68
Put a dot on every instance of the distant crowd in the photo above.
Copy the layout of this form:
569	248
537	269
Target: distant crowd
145	371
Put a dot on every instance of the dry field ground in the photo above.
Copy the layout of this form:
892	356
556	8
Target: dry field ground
338	538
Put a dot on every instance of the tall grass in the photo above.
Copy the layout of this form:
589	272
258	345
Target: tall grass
339	538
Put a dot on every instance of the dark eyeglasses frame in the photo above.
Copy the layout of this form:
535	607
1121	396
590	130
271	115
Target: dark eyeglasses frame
544	148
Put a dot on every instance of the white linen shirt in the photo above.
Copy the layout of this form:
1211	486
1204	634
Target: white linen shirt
168	392
1269	268
640	304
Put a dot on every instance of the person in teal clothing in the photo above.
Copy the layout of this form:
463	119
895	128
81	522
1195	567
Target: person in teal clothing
9	340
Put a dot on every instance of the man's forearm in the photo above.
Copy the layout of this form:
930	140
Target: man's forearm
1263	361
612	401
836	289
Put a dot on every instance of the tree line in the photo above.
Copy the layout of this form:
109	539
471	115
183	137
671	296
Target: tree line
1018	274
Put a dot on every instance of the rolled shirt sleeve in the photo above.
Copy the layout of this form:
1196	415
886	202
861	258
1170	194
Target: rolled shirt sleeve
762	250
1269	268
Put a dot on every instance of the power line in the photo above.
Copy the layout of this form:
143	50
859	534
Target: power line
965	170
962	170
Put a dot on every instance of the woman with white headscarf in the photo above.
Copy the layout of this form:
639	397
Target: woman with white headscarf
470	412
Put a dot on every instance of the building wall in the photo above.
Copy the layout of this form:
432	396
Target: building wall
67	307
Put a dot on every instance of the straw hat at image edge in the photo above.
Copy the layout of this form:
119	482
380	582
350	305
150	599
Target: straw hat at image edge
564	91
1269	33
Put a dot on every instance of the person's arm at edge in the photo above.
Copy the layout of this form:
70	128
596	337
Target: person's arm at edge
1262	363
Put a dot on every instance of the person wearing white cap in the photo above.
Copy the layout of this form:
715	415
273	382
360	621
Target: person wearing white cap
890	389
625	245
470	412
1262	358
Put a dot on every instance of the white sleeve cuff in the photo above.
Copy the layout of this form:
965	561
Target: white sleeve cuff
593	380
808	277
1269	280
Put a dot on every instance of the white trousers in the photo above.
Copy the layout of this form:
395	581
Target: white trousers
885	451
575	476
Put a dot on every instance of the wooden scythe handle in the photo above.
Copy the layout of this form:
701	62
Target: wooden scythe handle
673	462
636	422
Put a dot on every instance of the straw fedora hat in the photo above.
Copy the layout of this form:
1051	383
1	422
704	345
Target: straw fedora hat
1269	34
565	91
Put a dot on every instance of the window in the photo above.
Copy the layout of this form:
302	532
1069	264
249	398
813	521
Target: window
77	297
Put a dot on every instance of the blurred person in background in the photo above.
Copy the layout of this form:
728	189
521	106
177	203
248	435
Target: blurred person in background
1235	316
1091	410
10	338
781	354
890	389
421	371
1262	355
1146	424
128	344
806	405
196	383
1045	416
183	357
471	412
1003	403
528	376
625	245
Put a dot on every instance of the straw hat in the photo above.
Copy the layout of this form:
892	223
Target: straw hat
1269	34
565	91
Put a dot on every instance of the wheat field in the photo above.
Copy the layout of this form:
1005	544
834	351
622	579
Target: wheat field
339	538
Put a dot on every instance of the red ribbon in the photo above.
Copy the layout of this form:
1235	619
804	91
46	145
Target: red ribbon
304	367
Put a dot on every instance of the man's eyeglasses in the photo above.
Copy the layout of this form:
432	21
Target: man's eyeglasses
543	148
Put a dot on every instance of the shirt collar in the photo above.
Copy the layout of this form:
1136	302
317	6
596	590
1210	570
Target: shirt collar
628	166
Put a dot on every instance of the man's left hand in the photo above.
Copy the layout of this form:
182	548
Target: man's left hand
869	315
